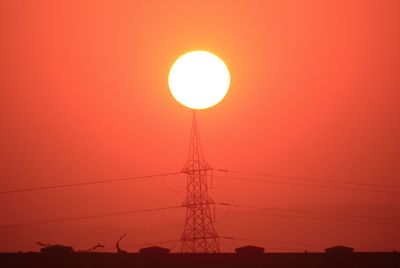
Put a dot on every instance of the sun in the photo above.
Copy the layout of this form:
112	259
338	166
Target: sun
199	79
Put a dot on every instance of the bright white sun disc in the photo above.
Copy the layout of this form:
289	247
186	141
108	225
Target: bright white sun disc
199	80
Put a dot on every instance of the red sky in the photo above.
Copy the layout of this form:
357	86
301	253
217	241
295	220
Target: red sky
314	93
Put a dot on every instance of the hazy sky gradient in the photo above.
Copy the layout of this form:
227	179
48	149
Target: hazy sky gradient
84	96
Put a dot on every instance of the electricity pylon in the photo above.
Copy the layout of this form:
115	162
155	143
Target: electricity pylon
199	235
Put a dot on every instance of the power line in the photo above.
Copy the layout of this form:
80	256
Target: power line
41	188
311	212
170	187
314	218
309	179
68	219
78	218
309	185
115	180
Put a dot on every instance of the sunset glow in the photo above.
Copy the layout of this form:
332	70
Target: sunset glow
296	108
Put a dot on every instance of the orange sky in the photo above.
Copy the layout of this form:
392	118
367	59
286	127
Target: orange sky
314	93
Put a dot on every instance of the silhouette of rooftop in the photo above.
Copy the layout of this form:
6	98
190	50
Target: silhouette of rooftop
283	260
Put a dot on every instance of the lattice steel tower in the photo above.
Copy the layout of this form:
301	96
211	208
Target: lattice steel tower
199	235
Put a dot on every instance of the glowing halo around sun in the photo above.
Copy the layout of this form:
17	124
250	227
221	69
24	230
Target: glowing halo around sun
199	80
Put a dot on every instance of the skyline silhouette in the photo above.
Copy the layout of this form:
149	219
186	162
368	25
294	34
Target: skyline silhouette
304	147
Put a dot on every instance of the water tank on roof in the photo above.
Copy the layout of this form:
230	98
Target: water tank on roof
249	250
339	250
57	249
154	250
